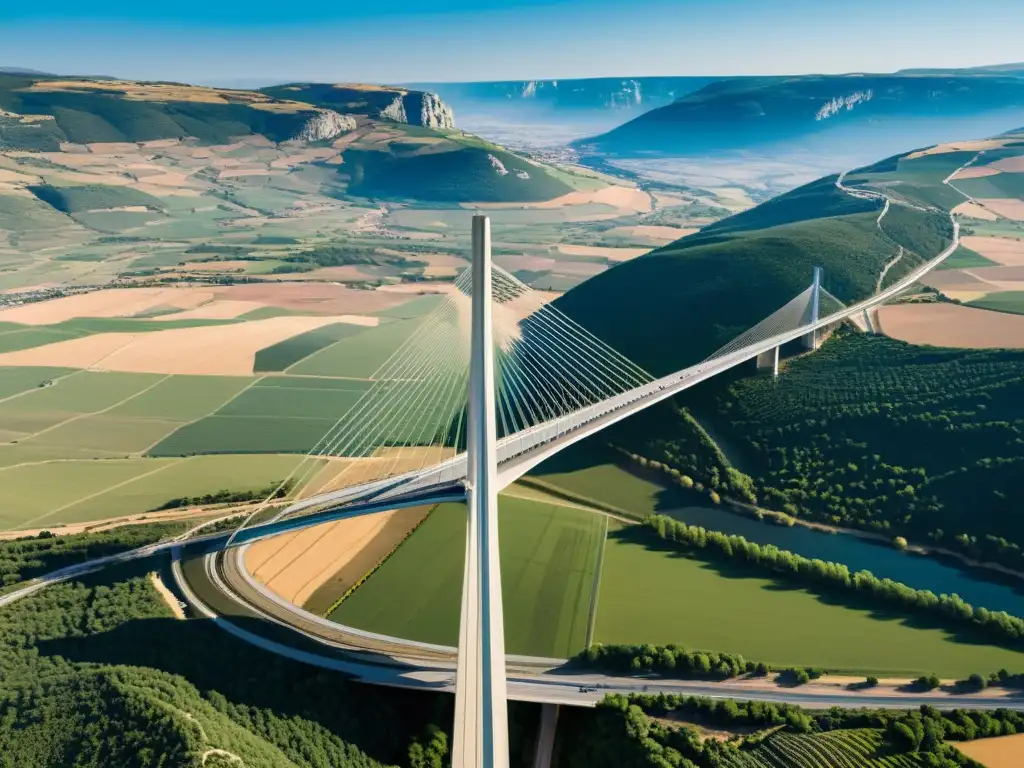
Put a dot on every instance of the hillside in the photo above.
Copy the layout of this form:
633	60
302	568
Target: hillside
704	289
870	432
388	148
679	303
852	109
40	113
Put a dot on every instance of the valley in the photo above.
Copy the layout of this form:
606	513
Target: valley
199	285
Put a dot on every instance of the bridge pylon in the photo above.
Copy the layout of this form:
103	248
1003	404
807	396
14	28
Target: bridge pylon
810	341
481	701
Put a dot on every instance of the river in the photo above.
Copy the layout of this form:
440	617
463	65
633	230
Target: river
915	570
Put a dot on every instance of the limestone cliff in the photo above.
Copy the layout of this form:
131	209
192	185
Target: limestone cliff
324	125
426	109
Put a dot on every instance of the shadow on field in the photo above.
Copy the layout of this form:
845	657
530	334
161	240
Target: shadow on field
730	569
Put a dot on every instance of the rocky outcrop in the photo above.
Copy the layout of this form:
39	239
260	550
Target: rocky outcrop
396	110
427	109
326	124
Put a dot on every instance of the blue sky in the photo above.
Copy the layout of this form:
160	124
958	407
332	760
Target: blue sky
251	41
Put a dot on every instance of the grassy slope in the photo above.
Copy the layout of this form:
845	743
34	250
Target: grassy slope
98	116
681	302
465	174
1002	301
86	197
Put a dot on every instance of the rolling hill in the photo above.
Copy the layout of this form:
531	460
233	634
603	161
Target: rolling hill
834	111
679	303
397	144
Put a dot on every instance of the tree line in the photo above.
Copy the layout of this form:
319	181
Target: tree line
668	660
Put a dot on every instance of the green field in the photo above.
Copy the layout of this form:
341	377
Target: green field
358	356
1003	301
104	434
183	398
69	491
16	380
606	483
244	434
78	393
38	494
194	476
104	414
965	258
280	356
89	197
279	414
548	557
290	399
724	608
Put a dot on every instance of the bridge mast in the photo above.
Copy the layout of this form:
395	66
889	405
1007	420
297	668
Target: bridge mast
811	339
481	703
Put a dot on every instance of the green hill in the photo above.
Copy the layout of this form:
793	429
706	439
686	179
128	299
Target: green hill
404	146
680	303
462	173
41	112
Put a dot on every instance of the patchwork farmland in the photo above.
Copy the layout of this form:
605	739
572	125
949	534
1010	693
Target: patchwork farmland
102	443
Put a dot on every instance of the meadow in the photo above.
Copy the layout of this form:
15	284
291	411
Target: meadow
357	356
548	557
1002	301
725	608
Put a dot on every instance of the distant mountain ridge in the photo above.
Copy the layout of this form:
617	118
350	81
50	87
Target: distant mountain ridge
749	113
600	93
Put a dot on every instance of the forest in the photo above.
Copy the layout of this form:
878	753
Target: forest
869	433
638	730
27	557
96	672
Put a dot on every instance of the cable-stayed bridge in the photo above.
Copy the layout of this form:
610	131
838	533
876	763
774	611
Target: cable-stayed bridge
493	382
556	385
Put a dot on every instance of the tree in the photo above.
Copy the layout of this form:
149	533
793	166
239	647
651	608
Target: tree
899	542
